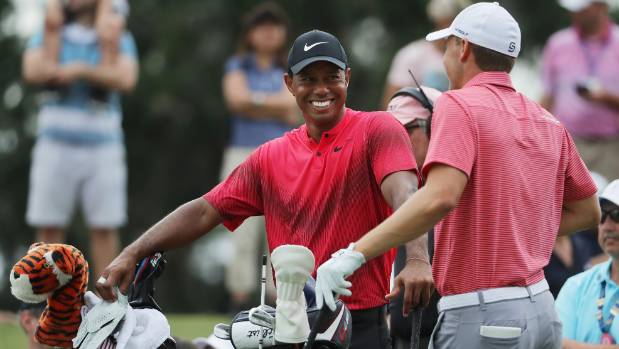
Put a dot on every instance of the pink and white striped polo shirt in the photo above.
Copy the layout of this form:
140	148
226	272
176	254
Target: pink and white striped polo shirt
521	165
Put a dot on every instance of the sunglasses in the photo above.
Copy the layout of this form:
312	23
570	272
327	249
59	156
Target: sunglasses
613	213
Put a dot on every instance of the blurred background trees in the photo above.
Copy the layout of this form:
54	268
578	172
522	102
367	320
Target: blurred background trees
175	121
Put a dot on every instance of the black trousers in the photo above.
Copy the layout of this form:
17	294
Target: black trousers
369	329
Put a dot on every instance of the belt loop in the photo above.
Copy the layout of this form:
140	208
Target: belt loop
530	294
482	302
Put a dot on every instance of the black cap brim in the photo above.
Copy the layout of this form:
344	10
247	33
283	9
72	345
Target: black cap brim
304	63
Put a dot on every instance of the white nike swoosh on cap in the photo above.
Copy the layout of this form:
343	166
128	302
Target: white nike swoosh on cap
307	48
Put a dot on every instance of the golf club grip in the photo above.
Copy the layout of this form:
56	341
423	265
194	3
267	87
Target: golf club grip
324	311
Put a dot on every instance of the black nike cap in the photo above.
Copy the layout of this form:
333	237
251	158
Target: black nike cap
315	46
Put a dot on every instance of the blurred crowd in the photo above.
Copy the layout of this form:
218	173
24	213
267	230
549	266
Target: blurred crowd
85	58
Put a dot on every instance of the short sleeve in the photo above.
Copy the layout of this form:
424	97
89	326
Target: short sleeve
566	308
232	64
128	47
389	147
578	182
454	137
547	71
36	41
240	195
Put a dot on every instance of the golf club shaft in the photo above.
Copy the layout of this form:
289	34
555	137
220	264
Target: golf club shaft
263	282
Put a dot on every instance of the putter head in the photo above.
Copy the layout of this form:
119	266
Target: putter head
142	289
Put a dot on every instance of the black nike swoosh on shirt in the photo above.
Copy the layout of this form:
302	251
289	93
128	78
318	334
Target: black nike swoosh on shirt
337	149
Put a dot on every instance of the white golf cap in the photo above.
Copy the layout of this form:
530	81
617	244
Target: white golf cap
578	5
611	192
486	24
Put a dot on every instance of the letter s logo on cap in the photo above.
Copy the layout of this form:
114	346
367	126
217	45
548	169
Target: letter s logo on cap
512	47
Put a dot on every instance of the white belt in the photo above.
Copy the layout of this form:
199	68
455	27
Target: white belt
490	296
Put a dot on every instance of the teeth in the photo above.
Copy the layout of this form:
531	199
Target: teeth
321	104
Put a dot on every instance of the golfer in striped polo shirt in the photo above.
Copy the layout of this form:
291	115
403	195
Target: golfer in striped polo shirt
503	180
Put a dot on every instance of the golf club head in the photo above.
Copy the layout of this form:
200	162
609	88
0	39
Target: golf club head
222	331
330	329
142	289
262	316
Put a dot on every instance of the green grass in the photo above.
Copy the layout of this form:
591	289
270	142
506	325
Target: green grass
183	326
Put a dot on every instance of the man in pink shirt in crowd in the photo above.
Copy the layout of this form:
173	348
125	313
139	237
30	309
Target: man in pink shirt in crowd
581	81
503	179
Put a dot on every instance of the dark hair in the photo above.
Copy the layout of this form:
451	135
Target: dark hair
490	60
264	13
36	309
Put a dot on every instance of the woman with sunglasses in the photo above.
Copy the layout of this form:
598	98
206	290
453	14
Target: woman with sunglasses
589	301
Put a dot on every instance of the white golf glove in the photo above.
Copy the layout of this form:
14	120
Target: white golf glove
331	275
100	321
293	265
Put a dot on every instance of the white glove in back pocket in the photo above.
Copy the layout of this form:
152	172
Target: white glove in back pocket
501	332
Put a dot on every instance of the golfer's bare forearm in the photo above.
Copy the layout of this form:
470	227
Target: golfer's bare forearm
418	215
396	189
181	227
418	248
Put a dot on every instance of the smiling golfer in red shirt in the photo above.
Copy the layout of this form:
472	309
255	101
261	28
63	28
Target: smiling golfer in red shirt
322	186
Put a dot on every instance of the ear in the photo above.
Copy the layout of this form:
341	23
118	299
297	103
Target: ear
465	50
347	76
288	82
63	261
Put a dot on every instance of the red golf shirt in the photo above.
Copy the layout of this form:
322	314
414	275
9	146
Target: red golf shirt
521	165
323	195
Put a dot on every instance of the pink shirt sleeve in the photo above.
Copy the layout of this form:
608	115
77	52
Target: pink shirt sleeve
454	137
578	182
389	147
240	195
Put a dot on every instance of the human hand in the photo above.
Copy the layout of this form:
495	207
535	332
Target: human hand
331	275
415	280
54	16
110	27
66	74
118	274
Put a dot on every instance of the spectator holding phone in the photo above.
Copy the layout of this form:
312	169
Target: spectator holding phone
582	88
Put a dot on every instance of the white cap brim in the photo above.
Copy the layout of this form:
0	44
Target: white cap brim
439	34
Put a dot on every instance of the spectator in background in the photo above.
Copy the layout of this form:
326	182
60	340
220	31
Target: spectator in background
261	109
423	58
79	155
581	81
575	253
28	316
412	329
588	302
109	22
